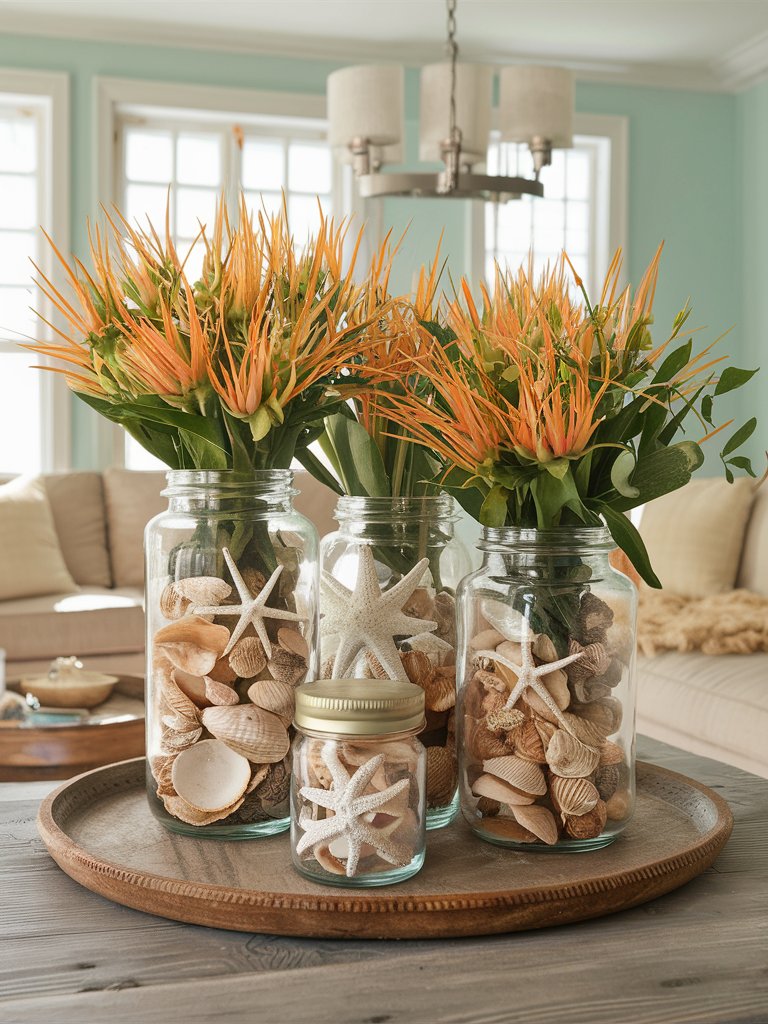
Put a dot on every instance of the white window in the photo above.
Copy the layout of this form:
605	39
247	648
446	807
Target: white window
33	406
193	155
583	209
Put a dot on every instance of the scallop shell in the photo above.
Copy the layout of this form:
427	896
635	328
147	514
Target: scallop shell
286	667
482	743
174	742
274	696
572	796
611	753
440	689
594	660
595	618
569	757
293	641
539	820
219	694
178	703
210	776
247	657
192	644
180	809
508	828
172	604
584	730
203	590
589	825
605	714
493	788
327	861
257	735
523	775
417	667
528	743
441	776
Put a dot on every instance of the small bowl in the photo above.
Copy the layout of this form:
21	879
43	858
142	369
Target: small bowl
78	690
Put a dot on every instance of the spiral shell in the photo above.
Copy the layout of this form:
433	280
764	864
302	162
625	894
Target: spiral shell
523	775
569	757
572	796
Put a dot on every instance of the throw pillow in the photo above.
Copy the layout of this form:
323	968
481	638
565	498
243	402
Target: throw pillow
32	562
132	498
694	536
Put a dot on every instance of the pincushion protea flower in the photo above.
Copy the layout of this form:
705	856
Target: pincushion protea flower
235	370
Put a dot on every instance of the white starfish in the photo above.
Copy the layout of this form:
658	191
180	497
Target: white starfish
345	798
529	673
252	610
368	618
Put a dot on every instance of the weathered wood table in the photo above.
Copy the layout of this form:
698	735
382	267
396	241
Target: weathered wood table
697	955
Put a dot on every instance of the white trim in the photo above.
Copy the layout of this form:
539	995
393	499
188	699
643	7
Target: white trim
745	65
49	91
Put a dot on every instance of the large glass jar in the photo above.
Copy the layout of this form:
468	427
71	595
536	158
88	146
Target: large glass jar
231	612
358	790
546	690
388	606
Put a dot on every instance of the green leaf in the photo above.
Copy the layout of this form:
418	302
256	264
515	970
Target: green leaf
731	378
551	495
673	363
662	471
557	467
469	495
313	465
512	477
629	540
737	440
706	409
358	457
742	462
494	509
621	470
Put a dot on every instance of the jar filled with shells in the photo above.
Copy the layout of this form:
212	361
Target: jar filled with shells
388	606
546	690
231	611
358	789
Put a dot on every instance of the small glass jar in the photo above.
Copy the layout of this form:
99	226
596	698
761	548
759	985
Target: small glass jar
231	615
358	787
409	544
547	691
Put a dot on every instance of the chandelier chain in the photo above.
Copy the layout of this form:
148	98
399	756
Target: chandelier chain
453	52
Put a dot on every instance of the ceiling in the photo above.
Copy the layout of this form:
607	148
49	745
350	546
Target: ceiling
699	41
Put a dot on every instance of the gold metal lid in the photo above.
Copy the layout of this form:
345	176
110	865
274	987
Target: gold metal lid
359	707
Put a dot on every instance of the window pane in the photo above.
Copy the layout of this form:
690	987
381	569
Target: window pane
18	201
263	165
553	177
17	248
303	217
137	457
514	225
18	144
194	207
193	256
549	225
267	203
198	159
309	167
146	201
578	172
20	414
17	321
148	156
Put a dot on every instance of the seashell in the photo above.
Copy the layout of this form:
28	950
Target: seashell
223	672
523	775
438	651
180	809
178	703
611	753
440	689
247	657
528	743
546	729
173	742
210	776
489	681
417	667
203	590
556	684
594	661
275	790
612	675
172	604
493	704
373	667
619	806
220	694
286	667
256	734
510	650
595	618
605	714
486	640
584	730
589	825
293	641
444	613
539	820
607	780
572	796
569	757
191	686
488	808
327	861
253	579
175	724
442	776
496	789
315	767
192	644
482	743
508	828
585	691
274	696
420	604
260	772
544	648
505	719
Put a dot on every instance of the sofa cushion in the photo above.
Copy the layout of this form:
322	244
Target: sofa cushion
711	705
315	501
694	536
132	498
77	503
753	572
93	621
32	562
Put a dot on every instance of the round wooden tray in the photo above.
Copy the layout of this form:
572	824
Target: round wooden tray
113	731
99	829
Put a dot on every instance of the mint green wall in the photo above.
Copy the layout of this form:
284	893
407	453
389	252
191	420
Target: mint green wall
685	178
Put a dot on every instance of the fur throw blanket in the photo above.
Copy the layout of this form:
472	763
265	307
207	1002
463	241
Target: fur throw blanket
732	623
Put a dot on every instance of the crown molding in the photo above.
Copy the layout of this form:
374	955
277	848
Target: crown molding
733	71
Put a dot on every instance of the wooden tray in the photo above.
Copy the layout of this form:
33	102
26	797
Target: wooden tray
99	829
113	731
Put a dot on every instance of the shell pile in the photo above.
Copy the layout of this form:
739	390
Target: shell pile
535	776
223	741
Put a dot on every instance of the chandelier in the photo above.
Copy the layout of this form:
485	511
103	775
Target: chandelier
366	124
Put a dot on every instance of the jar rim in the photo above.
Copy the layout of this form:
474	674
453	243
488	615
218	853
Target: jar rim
229	482
557	538
380	509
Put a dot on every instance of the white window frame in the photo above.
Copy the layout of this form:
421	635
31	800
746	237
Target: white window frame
49	92
609	227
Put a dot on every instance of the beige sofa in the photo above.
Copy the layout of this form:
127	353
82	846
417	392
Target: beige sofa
99	519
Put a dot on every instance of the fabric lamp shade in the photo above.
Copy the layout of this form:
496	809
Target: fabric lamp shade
536	102
366	103
474	85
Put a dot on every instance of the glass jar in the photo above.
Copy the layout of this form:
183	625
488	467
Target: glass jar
231	611
546	690
405	546
358	789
